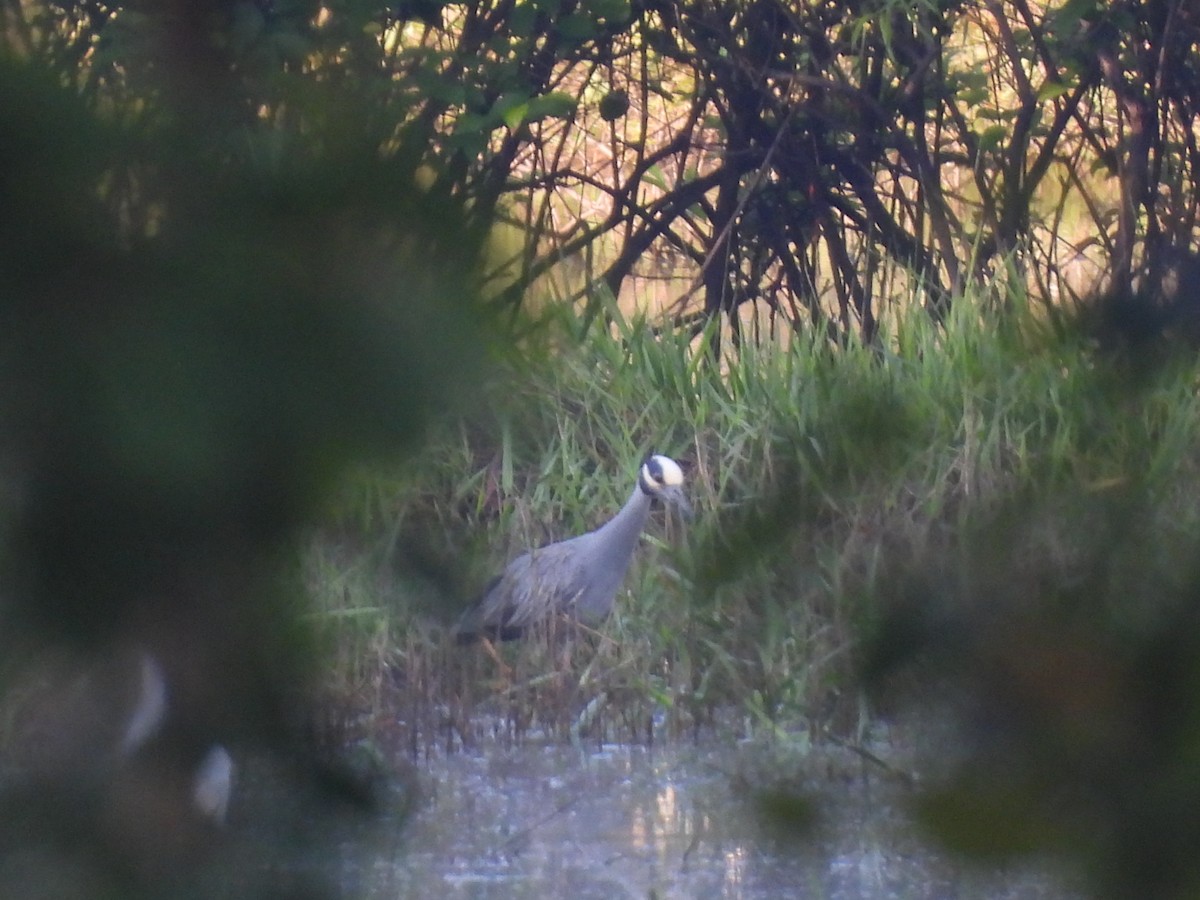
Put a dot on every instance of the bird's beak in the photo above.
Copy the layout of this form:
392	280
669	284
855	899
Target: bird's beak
678	499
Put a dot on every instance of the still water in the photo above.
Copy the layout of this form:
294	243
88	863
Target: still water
636	822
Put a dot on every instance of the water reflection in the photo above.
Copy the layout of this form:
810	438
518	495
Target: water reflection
631	822
735	864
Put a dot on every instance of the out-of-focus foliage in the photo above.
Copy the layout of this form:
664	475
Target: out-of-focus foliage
208	313
1057	631
1075	688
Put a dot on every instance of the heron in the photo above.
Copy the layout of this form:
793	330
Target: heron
577	578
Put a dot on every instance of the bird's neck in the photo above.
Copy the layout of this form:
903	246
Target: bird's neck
624	528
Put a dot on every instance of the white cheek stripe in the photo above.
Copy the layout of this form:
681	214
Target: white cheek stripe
672	475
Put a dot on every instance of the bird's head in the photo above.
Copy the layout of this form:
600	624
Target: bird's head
661	477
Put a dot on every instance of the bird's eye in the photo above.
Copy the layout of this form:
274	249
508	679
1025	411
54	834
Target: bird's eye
654	470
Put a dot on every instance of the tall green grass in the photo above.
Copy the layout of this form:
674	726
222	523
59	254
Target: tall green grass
818	474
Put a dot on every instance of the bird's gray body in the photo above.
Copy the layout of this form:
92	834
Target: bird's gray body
579	577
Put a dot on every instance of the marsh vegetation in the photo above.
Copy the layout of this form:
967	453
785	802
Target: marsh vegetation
821	475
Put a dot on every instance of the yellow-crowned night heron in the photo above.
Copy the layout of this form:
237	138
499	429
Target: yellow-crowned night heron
578	577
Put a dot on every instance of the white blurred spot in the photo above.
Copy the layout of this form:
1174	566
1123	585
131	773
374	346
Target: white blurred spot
213	784
150	708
